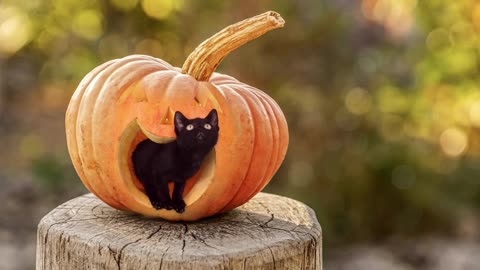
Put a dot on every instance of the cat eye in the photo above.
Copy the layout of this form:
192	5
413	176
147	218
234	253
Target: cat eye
189	127
207	126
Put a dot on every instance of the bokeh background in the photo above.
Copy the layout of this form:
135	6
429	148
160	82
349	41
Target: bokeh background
382	98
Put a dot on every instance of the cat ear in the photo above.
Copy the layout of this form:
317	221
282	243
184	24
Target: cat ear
213	117
179	120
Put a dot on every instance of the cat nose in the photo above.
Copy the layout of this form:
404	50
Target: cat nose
200	136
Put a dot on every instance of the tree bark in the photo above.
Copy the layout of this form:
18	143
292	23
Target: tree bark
268	232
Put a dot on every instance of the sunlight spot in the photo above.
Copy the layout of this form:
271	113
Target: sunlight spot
15	29
88	24
158	9
48	37
462	33
474	113
178	4
396	16
476	16
358	101
453	142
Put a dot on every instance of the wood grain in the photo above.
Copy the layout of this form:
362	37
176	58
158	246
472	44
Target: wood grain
268	232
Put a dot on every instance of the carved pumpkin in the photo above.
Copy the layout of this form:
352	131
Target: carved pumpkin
124	101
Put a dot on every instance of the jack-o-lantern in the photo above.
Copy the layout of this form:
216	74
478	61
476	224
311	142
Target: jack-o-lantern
125	101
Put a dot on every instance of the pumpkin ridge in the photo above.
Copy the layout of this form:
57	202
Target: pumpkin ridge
268	102
170	89
167	65
282	124
141	68
283	128
72	113
91	94
262	146
100	78
276	147
233	96
251	176
278	157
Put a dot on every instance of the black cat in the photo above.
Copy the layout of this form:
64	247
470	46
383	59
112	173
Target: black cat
158	164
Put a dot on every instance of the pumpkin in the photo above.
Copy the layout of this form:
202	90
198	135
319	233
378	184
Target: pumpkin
124	101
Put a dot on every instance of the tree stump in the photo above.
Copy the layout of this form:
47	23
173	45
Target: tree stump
268	232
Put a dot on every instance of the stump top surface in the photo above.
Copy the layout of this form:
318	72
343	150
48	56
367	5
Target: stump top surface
264	225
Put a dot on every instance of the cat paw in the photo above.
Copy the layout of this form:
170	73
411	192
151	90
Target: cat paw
179	206
162	205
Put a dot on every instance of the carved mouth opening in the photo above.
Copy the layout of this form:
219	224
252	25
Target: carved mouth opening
131	137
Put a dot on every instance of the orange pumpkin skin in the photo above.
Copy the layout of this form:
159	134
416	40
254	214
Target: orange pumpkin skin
124	101
121	100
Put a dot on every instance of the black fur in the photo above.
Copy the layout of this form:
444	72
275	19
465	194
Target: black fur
158	164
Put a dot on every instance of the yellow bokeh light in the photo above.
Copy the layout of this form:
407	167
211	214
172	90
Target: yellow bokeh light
476	16
178	4
15	29
392	100
462	33
474	113
396	16
48	36
358	101
124	5
88	24
158	9
453	142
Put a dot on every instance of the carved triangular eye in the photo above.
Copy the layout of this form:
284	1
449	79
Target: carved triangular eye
189	127
207	126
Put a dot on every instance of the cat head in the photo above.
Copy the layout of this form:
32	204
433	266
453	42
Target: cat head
197	133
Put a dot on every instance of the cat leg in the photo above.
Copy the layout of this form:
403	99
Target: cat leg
157	191
163	195
152	194
177	199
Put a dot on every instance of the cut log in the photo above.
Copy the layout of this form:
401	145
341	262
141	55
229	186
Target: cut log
268	232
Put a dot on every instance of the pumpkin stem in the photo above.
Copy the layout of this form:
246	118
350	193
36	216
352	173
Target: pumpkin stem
203	61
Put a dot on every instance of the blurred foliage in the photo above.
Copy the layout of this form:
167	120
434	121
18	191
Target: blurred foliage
382	97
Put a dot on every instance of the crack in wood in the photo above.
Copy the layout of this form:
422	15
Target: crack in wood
273	257
272	217
265	207
118	259
155	232
184	237
268	232
201	240
161	259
